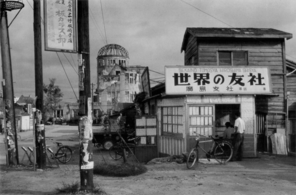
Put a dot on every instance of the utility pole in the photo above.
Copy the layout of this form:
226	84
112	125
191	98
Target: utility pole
86	163
39	130
8	92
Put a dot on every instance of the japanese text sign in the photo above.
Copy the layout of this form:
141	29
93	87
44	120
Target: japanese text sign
217	80
60	25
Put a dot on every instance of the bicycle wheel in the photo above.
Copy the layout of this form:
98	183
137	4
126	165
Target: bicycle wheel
223	152
192	157
64	154
116	153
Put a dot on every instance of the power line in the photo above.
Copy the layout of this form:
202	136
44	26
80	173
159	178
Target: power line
155	71
104	21
206	13
219	20
71	64
66	75
96	24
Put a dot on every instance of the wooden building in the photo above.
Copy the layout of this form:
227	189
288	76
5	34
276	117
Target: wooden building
191	105
291	103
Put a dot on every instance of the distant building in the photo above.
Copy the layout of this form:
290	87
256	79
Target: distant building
117	82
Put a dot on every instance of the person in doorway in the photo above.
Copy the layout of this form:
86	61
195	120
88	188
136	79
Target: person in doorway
228	131
226	135
239	130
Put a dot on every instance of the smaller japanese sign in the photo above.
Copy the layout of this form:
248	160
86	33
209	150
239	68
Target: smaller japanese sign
60	25
217	80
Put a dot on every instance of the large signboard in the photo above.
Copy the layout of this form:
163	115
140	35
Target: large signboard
60	29
145	80
217	80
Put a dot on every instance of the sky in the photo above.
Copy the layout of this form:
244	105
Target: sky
151	30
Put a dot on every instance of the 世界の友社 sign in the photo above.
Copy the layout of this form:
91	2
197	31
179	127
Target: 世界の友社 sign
60	25
217	80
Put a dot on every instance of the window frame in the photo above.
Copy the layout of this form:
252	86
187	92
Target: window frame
231	57
172	124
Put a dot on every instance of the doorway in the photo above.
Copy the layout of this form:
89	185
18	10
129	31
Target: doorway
224	113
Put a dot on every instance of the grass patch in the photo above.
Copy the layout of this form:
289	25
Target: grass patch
120	170
74	189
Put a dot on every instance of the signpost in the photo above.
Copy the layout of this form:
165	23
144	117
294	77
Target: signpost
182	80
60	25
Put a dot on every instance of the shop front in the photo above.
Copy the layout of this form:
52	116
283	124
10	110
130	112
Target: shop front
201	100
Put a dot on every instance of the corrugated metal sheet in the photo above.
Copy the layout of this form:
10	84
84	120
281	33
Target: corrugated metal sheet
171	146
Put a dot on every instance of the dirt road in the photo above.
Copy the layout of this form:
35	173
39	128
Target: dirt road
263	175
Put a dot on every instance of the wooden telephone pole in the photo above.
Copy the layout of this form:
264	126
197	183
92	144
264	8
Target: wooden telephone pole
39	128
8	91
85	125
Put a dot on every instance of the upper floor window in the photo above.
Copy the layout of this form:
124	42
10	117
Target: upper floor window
232	58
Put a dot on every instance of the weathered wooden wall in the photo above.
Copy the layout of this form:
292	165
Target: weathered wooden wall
291	87
260	53
191	51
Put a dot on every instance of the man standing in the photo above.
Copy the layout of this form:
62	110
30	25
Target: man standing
239	129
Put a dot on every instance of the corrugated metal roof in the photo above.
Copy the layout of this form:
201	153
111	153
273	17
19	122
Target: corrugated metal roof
265	33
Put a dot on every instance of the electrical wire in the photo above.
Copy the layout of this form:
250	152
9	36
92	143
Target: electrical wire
66	75
71	64
104	21
96	24
220	20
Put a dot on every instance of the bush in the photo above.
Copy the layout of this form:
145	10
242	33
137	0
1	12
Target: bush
120	170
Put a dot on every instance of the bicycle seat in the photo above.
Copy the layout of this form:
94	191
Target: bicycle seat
59	144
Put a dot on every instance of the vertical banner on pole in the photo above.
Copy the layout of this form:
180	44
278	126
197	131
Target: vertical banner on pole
40	141
86	150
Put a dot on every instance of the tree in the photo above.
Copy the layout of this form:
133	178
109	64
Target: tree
52	96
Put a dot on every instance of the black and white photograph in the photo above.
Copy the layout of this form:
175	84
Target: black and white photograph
148	97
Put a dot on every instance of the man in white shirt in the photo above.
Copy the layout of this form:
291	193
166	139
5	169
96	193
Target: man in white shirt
239	130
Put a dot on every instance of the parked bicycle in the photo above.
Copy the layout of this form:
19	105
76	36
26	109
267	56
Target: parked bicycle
63	154
123	147
222	151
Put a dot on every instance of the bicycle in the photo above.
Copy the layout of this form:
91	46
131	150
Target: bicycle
222	152
63	154
119	150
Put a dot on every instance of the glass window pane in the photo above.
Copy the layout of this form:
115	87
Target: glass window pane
193	121
180	111
198	120
202	121
240	58
165	119
180	129
165	111
192	131
165	128
206	110
169	119
207	120
210	110
198	130
179	119
202	110
169	128
190	110
210	120
224	58
175	128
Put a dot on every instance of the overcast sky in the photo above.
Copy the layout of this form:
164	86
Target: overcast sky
151	30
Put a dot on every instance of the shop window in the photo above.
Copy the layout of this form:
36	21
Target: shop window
201	120
232	58
172	122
